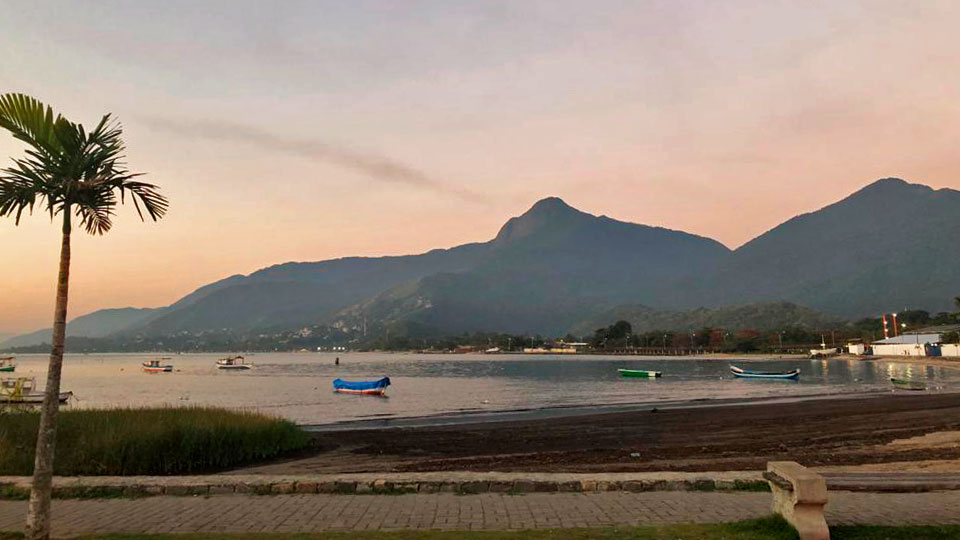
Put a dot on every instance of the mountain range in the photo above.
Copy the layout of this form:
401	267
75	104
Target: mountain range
555	269
760	316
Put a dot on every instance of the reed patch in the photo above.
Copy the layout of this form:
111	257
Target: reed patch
148	441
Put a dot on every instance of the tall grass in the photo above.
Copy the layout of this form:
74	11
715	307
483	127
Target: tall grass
154	441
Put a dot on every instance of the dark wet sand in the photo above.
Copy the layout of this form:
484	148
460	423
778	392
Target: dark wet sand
823	432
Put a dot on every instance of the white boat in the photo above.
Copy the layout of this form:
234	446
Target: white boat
750	374
232	363
823	351
23	390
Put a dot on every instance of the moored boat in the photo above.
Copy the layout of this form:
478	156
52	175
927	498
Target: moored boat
370	388
22	390
7	365
908	384
640	373
750	374
154	366
232	363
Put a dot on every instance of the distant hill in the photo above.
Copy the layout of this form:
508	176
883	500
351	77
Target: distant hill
760	316
97	324
292	295
890	246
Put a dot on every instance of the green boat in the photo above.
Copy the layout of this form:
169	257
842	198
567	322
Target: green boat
7	365
641	373
907	384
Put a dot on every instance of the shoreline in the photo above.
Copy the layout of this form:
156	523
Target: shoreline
458	418
830	431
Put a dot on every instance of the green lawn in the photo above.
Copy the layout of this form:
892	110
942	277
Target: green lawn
772	528
154	441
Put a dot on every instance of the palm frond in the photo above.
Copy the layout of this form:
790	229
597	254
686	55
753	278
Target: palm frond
31	121
17	193
69	169
95	205
148	195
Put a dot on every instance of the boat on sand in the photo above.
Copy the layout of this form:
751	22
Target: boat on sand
23	390
7	365
908	384
370	388
750	374
232	363
640	373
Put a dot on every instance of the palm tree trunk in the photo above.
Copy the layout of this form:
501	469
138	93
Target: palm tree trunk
38	519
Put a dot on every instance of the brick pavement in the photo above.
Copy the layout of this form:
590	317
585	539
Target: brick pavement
306	513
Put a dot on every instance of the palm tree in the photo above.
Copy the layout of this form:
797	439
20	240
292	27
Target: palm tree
70	173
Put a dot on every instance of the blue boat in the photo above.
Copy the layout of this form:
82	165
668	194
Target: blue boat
748	374
371	388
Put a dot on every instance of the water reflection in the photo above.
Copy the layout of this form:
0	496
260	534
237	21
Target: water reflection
298	386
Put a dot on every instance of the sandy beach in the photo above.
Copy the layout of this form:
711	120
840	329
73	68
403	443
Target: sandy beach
873	430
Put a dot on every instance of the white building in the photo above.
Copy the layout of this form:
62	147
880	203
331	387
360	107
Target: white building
857	348
909	345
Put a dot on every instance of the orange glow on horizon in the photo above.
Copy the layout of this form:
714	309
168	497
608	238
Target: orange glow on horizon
277	142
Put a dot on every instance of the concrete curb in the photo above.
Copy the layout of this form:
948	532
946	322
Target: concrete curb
461	483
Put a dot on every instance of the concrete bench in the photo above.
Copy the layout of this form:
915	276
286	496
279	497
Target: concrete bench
799	495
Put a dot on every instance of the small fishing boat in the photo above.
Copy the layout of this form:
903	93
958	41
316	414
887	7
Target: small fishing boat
232	363
22	390
154	366
908	384
7	365
641	373
749	374
370	388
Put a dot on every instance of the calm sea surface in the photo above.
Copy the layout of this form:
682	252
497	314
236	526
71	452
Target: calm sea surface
299	386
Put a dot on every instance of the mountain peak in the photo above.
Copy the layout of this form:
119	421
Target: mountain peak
893	186
547	212
891	181
551	208
551	204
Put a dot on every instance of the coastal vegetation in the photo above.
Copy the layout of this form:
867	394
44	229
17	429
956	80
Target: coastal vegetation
154	441
772	327
736	336
80	176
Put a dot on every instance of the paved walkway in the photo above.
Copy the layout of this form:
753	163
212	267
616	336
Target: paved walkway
305	513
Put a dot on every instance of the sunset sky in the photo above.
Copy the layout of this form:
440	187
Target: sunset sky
311	130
